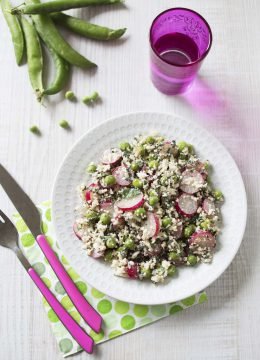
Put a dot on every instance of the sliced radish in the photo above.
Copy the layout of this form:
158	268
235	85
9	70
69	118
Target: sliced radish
200	167
130	204
121	175
132	271
209	206
156	250
203	239
152	225
178	232
192	181
89	195
111	156
107	206
187	205
96	255
76	231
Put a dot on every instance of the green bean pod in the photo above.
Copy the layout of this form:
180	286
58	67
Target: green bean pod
86	29
61	76
34	57
60	5
15	30
51	36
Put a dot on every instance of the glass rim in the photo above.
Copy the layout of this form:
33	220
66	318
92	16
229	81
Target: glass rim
193	62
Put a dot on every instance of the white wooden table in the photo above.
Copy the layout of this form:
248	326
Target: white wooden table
226	100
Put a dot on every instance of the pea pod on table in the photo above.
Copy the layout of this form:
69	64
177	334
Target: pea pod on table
51	36
61	76
34	57
15	30
60	5
87	29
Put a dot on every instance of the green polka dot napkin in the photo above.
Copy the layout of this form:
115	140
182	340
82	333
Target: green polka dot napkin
119	317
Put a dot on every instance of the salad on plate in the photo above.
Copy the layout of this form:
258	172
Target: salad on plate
149	209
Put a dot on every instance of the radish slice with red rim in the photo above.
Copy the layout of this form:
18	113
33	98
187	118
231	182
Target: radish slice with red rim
88	195
121	175
130	203
152	225
111	156
203	239
209	207
187	205
191	182
76	231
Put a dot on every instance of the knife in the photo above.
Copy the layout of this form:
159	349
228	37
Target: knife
31	217
9	239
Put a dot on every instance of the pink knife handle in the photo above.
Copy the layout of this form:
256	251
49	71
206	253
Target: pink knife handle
82	338
90	315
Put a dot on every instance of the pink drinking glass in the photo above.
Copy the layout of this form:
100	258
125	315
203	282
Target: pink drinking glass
180	40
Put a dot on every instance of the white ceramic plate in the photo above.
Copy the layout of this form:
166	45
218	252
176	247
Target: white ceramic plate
226	176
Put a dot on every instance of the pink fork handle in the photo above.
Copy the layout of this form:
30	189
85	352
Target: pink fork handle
82	338
90	315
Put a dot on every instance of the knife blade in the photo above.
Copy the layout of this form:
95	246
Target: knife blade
31	217
21	201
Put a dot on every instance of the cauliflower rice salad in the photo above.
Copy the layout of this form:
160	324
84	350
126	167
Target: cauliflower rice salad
149	209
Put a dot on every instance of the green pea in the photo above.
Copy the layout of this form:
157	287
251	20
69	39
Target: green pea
183	156
111	243
174	256
69	95
152	157
205	225
189	230
135	166
129	244
92	215
88	100
64	124
141	151
105	219
192	260
166	222
110	180
108	255
171	270
175	178
146	273
125	146
150	140
153	164
35	130
153	200
91	168
207	165
140	212
123	251
190	148
137	183
182	145
163	180
218	195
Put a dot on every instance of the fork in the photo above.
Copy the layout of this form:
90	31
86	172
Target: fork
9	239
